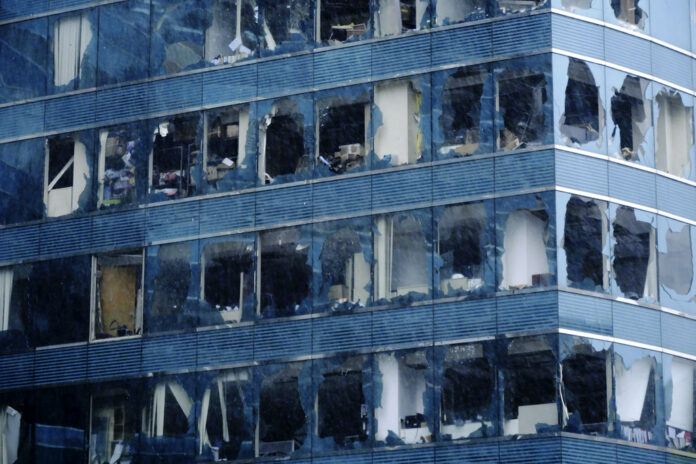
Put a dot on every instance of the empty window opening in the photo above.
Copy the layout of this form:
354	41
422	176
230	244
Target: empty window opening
223	424
518	6
634	255
521	101
468	388
586	388
584	238
167	411
343	136
628	11
229	37
117	167
524	257
455	11
226	143
635	397
67	175
71	36
118	294
631	114
675	263
345	271
399	137
461	111
529	396
674	136
171	284
113	426
460	232
282	424
341	20
286	22
679	374
341	405
228	278
282	255
281	142
401	253
60	425
397	16
582	121
402	404
174	155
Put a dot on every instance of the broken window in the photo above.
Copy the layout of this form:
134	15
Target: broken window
119	153
175	151
343	125
635	374
586	385
403	410
225	158
231	33
15	322
678	381
457	11
674	136
342	20
397	16
629	12
462	102
282	155
634	253
114	423
584	240
22	166
23	47
178	34
283	253
225	424
583	118
342	408
675	243
583	7
169	290
227	280
344	261
520	101
118	294
74	51
16	426
168	418
519	6
632	116
467	407
463	248
524	258
398	139
402	253
283	423
529	386
68	175
286	26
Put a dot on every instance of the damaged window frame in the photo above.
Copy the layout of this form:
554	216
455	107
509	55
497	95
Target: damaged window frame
679	399
402	231
295	442
676	264
523	90
342	264
351	157
333	34
455	11
182	182
289	31
233	253
393	17
117	260
468	392
68	185
507	7
588	8
286	125
584	242
675	151
586	385
411	420
457	229
241	42
72	55
625	252
123	183
537	238
582	120
401	121
463	98
631	14
524	361
629	101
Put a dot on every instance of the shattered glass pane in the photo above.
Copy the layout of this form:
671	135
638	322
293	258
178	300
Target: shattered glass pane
398	16
286	25
177	36
678	384
583	118
175	156
457	11
674	138
69	177
343	20
519	6
72	53
634	263
585	237
631	114
676	242
123	152
114	422
632	13
230	30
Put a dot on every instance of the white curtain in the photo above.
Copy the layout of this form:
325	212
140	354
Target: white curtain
71	35
525	249
5	297
682	414
9	434
632	387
